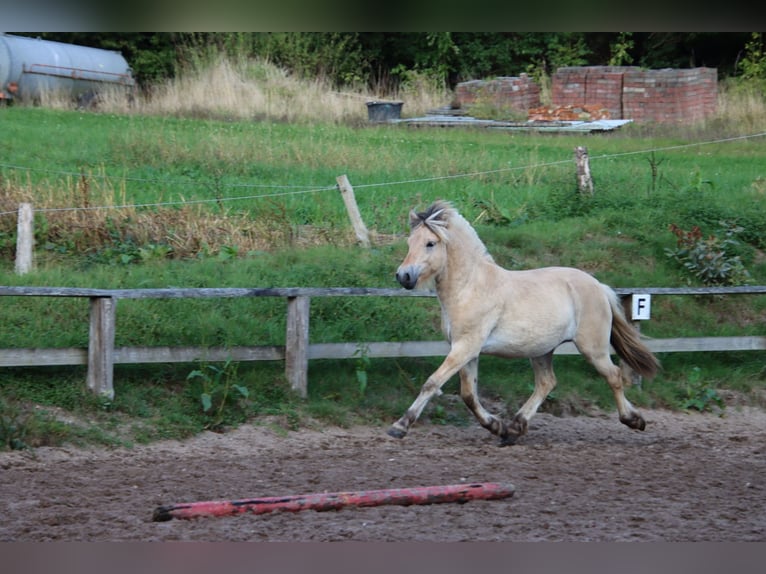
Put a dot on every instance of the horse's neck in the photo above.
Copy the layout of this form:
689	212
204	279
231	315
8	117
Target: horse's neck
467	263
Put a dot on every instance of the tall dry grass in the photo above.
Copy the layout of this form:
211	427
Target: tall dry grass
742	105
247	89
104	220
244	90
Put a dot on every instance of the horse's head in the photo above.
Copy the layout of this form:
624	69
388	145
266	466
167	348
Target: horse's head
427	244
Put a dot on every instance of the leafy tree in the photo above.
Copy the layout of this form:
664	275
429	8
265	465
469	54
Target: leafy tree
620	50
753	63
335	55
385	59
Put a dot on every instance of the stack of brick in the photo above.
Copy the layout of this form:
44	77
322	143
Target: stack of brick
630	92
670	95
589	86
516	93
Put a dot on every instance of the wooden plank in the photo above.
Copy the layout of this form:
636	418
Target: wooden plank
100	379
212	292
38	357
297	344
140	355
53	292
441	348
697	344
742	289
379	350
230	292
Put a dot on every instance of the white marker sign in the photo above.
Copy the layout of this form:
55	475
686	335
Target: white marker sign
642	307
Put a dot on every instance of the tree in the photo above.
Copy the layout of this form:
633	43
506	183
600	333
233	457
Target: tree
385	59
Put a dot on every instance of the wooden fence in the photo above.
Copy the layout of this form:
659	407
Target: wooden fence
101	354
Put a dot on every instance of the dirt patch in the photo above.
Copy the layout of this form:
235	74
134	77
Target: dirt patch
688	477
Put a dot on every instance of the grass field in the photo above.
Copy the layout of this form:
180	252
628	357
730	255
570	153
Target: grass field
138	200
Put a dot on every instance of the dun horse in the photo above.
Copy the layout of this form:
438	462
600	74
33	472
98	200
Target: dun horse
488	309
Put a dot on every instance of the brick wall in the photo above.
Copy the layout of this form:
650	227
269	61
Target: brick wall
518	93
590	86
670	95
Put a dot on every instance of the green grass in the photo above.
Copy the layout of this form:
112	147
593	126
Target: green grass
528	213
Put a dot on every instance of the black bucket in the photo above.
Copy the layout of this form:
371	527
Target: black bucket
384	111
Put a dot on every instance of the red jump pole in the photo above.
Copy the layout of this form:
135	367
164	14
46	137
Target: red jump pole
337	500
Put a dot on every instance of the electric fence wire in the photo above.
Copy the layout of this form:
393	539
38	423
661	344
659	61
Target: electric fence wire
302	190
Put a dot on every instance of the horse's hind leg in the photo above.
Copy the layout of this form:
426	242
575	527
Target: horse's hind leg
468	392
545	381
629	416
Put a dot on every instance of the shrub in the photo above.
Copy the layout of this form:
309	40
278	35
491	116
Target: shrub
710	259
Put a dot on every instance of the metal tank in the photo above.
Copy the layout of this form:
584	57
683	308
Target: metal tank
31	66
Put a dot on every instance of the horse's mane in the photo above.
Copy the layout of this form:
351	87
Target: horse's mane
445	221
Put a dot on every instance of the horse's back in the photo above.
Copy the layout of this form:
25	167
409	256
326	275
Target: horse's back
554	283
573	289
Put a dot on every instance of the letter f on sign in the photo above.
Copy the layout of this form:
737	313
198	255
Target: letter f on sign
642	307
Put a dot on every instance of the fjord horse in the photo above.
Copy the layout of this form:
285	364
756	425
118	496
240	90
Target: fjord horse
489	309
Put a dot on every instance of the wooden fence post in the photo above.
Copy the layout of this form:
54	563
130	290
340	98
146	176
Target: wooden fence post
297	344
101	346
584	182
353	210
25	239
629	374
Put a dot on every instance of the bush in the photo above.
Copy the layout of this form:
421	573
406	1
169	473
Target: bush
710	260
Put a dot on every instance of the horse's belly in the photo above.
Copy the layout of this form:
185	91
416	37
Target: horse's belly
526	344
518	349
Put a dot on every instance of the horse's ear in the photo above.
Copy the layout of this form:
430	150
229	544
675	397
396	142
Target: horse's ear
415	219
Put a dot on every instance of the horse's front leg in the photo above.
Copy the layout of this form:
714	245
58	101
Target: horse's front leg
469	377
545	381
454	361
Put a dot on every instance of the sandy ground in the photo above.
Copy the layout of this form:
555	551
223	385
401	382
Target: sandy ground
688	477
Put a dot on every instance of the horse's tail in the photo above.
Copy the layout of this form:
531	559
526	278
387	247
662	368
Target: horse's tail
626	341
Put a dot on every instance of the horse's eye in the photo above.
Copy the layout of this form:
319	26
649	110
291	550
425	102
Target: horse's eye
430	244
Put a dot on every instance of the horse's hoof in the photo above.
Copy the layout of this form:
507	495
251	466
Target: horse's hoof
518	426
634	421
396	433
508	440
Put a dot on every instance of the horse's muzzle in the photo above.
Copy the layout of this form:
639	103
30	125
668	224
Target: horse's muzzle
407	277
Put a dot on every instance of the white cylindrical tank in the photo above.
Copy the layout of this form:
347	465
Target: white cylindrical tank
31	66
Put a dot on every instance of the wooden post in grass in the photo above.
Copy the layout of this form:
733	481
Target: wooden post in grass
347	192
100	378
584	181
297	344
629	374
25	239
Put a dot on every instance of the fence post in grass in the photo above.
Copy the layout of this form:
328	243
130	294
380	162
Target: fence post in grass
100	378
347	192
629	374
297	344
25	239
584	181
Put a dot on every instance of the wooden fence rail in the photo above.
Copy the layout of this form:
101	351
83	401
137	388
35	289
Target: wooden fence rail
101	355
